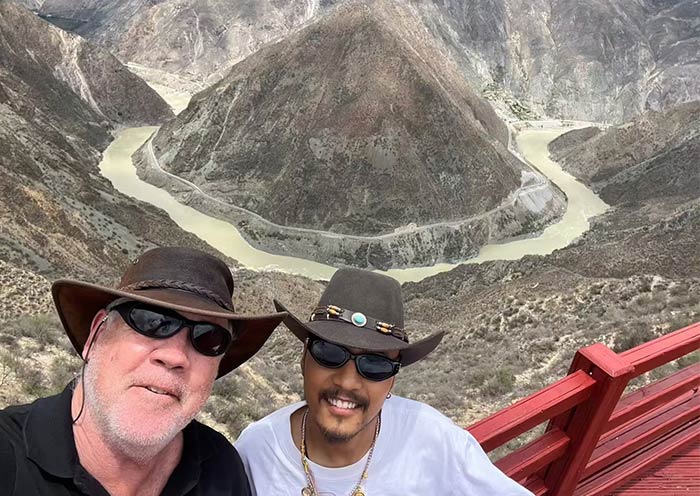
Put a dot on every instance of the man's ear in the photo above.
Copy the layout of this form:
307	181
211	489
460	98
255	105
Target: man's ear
97	322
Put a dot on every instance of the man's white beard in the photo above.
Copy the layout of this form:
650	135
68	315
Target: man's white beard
115	425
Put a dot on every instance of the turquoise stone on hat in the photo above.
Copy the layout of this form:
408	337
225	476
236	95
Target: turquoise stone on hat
359	319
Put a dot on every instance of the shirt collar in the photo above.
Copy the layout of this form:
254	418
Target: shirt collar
48	435
196	449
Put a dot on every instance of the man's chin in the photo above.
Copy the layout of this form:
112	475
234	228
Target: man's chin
139	445
338	431
145	438
337	437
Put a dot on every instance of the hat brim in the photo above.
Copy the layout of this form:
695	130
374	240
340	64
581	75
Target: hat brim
346	334
77	302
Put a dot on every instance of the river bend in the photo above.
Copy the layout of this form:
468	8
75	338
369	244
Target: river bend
531	143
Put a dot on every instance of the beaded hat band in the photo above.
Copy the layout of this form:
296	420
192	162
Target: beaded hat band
358	319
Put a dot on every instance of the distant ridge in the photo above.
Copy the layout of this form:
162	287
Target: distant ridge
576	59
198	39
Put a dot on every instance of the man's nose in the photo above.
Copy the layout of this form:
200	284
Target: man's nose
173	352
347	377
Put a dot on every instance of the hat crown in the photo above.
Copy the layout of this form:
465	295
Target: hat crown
181	268
375	295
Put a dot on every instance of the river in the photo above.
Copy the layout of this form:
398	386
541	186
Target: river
117	166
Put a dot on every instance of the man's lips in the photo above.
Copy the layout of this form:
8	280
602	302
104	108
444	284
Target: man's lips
161	390
345	405
343	401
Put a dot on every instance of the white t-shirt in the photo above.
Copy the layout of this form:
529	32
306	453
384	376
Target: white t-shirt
418	452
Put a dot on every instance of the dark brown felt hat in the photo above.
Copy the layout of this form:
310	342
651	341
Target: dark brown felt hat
367	298
181	279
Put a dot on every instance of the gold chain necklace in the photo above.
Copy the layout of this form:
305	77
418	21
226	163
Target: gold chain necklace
310	489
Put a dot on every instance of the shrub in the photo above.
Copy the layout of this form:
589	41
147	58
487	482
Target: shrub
636	334
501	382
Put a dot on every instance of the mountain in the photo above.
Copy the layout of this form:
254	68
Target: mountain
657	155
579	59
358	126
198	38
591	60
60	98
55	58
512	326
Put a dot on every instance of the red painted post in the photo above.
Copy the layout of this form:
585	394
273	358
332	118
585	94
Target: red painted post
587	422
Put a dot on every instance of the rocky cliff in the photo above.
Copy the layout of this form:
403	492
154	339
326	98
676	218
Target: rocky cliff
115	95
581	59
59	99
657	155
195	38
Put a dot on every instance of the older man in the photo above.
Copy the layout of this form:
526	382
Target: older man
350	436
152	349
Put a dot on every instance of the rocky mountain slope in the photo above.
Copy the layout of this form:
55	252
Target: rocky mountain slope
655	156
359	126
59	99
512	326
589	60
633	276
584	59
42	58
197	38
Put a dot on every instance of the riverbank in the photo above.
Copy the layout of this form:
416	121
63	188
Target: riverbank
528	210
118	167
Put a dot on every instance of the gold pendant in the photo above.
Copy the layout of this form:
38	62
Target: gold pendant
307	491
358	492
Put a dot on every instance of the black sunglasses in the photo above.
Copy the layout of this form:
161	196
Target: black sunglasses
369	365
161	323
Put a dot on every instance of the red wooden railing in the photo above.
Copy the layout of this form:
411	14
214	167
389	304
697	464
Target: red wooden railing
595	439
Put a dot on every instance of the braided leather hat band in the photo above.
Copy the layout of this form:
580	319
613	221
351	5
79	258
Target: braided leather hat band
184	286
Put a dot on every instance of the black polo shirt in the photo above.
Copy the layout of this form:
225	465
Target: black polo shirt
38	456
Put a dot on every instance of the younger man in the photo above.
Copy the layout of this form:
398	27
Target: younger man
351	436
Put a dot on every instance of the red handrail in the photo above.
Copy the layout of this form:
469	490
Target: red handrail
664	349
529	412
586	404
654	395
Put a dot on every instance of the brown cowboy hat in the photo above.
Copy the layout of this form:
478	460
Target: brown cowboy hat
181	279
362	309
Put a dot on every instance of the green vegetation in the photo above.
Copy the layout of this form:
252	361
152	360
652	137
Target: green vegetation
36	358
495	92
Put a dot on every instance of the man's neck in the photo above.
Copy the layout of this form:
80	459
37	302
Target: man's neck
118	473
331	454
